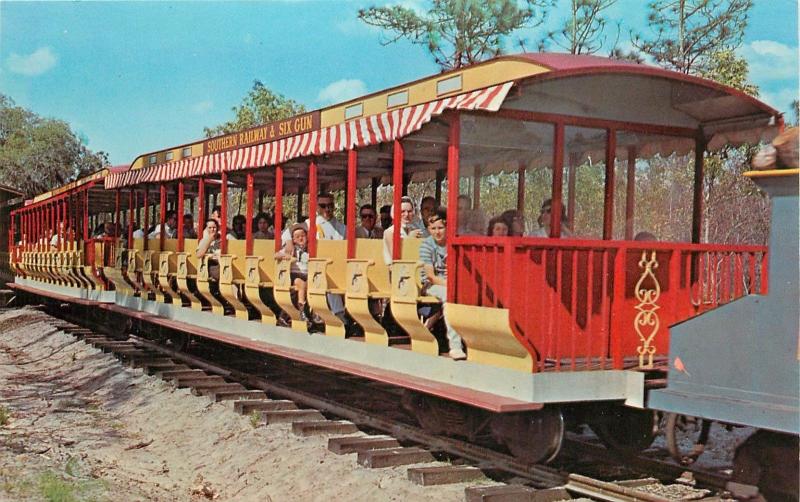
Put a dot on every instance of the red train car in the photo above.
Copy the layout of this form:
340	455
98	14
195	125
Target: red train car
581	157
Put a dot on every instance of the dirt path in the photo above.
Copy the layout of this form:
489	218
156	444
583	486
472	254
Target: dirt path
75	423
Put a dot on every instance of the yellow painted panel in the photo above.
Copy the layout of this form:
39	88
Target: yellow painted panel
488	336
423	91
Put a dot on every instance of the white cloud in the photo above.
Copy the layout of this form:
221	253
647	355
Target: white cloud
781	99
770	60
341	90
33	64
202	106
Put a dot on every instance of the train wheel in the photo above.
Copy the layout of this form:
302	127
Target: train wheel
768	460
440	416
534	437
179	341
627	430
686	437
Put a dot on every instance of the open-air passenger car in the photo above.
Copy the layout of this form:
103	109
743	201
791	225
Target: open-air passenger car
577	311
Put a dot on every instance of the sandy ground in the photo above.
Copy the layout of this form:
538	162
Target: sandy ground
75	423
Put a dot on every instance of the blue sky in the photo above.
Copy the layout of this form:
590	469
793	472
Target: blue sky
132	77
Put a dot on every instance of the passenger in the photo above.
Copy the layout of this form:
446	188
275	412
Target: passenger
433	255
262	227
238	231
99	231
170	227
515	221
61	236
386	216
426	208
470	221
109	229
210	245
407	228
497	227
368	228
189	232
328	228
216	214
544	221
299	270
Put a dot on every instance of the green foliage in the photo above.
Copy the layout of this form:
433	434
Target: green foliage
457	32
622	55
582	32
5	416
688	33
260	106
729	69
55	489
38	154
255	419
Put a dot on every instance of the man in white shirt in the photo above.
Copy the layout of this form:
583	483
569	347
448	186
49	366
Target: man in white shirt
408	228
328	227
170	227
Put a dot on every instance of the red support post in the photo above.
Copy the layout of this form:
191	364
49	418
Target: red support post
131	210
454	139
223	213
397	181
51	224
201	207
278	217
179	212
350	218
146	216
558	181
608	203
248	227
162	215
88	246
312	208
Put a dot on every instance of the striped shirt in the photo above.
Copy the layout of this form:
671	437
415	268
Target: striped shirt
431	253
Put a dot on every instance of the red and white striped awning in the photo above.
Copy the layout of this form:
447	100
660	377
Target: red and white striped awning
358	133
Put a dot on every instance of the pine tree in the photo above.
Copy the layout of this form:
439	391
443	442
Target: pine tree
457	32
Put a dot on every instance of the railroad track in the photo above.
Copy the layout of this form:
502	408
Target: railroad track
392	441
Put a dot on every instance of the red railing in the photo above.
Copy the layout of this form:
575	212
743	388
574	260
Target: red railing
564	301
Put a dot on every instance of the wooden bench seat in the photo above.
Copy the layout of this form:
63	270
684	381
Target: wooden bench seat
327	275
167	269
259	273
283	293
204	281
232	277
116	273
186	264
368	279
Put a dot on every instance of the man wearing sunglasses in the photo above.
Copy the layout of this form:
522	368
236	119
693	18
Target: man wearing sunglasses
368	229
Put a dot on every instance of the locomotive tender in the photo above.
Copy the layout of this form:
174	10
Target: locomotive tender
575	323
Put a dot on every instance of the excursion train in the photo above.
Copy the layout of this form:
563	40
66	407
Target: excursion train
587	311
